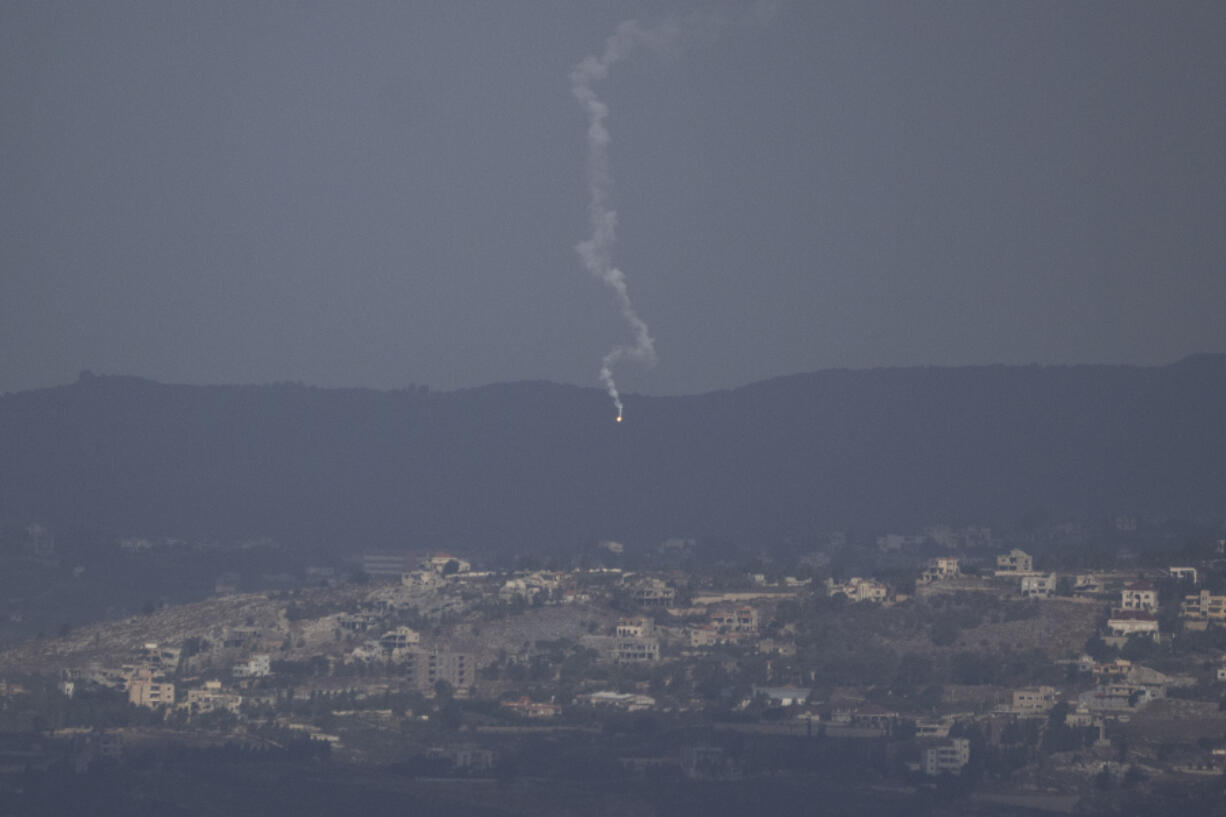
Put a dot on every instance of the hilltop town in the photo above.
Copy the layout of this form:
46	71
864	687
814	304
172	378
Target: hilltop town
950	666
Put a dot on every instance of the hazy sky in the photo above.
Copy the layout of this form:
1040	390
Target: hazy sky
381	194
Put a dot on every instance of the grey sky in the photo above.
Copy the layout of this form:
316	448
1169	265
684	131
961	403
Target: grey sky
384	193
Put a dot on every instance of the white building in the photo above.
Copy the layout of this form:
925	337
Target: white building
212	698
858	589
1184	573
1139	596
438	562
399	639
939	569
1033	700
1015	561
950	757
1132	622
1038	586
258	666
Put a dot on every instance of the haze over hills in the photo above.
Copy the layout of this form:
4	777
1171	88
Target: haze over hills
537	465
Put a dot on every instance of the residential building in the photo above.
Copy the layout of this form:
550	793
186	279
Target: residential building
1132	622
858	589
639	627
653	592
212	698
1139	596
1015	561
1184	574
533	709
1038	586
425	668
1033	700
399	639
636	650
258	666
619	700
741	619
783	696
950	757
1087	584
1203	606
940	569
438	563
146	690
384	565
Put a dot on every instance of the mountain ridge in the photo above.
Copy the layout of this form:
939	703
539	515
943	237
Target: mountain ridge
534	464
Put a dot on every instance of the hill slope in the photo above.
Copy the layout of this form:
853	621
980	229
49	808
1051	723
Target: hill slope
523	465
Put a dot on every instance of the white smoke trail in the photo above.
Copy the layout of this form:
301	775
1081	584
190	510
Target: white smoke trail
597	251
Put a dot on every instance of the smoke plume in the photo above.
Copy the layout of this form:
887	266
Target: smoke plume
596	252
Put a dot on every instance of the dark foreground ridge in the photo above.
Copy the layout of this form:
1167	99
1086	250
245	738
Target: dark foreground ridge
542	465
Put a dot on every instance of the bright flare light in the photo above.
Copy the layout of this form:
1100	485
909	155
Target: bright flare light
619	418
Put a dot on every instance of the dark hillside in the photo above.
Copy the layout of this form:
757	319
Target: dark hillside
522	465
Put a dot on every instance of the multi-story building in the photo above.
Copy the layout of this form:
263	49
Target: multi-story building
950	757
212	698
742	619
858	589
1132	622
399	639
636	650
939	569
1015	561
1033	700
384	565
653	592
258	666
425	668
1038	586
145	690
1139	596
438	562
639	627
1203	606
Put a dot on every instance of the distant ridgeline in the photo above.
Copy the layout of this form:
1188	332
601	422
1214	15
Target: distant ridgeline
537	465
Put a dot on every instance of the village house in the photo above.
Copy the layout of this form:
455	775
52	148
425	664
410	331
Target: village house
783	696
532	709
1033	700
438	562
947	758
636	650
425	668
940	569
638	627
858	589
212	698
258	666
1203	607
384	565
742	619
1038	586
1139	596
1184	574
627	701
1015	561
1087	584
400	638
652	592
1125	623
158	657
146	690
